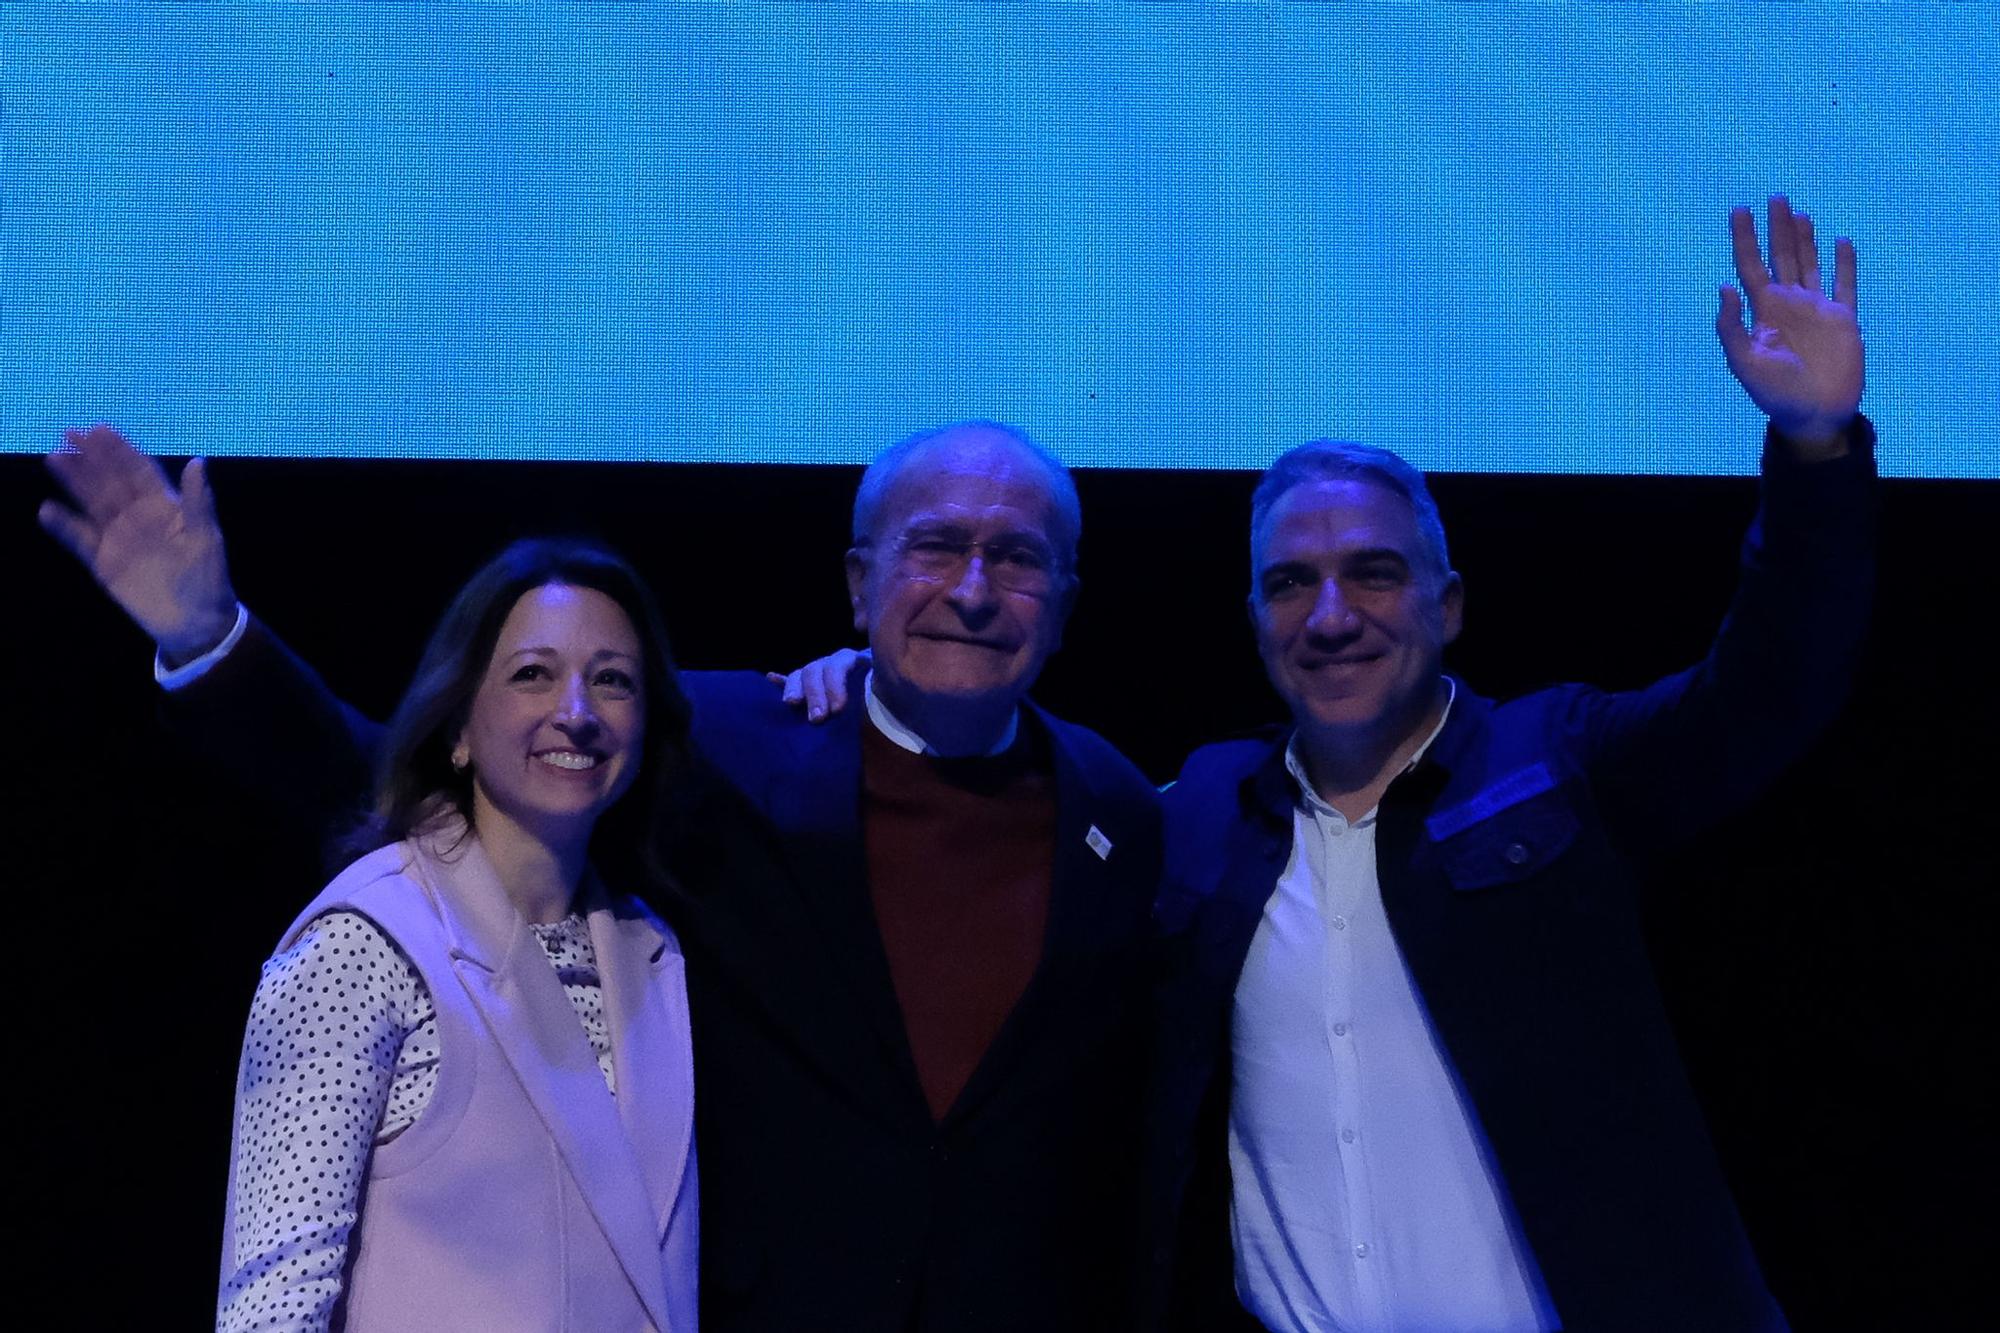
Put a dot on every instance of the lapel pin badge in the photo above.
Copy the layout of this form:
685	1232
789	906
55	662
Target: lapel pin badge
1098	843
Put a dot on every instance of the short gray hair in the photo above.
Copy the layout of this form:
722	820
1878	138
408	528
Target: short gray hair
888	467
1342	460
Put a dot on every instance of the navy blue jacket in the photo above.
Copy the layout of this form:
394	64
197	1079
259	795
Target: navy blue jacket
1505	862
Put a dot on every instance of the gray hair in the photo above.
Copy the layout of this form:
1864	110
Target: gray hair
889	465
1341	460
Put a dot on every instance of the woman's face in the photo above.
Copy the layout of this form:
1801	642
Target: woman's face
556	725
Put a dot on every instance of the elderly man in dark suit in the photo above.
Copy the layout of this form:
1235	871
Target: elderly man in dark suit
914	934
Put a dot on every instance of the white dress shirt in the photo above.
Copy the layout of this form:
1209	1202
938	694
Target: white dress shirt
892	726
1363	1197
187	673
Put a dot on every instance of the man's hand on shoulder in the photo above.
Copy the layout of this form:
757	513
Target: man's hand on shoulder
1801	358
823	686
156	550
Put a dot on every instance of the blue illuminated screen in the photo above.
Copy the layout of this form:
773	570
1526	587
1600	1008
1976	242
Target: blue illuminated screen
1152	235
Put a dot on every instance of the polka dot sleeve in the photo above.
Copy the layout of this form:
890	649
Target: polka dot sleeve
321	1055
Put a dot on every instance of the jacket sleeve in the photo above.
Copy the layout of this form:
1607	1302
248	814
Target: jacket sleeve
1669	759
266	719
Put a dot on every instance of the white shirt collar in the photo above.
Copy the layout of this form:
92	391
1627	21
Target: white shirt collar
1295	763
891	726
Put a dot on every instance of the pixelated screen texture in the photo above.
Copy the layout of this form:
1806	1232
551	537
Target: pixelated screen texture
1152	235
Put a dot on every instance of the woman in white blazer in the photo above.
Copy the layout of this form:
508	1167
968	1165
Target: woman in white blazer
466	1094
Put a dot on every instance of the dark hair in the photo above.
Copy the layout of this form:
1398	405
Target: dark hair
415	783
1341	460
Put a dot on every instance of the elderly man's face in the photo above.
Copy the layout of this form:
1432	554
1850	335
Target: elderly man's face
1351	618
962	589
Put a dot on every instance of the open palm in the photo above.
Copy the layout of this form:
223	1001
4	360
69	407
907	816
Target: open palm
1801	358
157	551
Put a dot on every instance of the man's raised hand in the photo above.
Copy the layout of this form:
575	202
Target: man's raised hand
1800	360
156	550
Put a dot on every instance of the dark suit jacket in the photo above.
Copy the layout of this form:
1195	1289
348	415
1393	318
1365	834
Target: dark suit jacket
1503	863
830	1199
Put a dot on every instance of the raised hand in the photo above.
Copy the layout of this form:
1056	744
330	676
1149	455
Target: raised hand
156	550
1801	359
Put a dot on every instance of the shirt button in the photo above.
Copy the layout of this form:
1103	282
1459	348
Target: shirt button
1347	1136
1340	1029
1340	923
1361	1249
1516	854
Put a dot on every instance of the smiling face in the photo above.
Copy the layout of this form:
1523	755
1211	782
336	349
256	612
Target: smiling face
1351	616
961	587
555	729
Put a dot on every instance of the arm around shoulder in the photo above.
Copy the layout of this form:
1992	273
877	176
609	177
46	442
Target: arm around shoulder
266	718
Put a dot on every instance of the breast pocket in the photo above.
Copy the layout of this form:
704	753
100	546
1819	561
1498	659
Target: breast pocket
1506	834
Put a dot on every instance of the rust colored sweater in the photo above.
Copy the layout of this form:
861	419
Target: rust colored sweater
960	854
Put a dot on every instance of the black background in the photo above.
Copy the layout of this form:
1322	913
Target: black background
1824	953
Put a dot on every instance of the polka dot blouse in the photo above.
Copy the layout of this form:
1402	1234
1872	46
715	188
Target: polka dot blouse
340	1055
